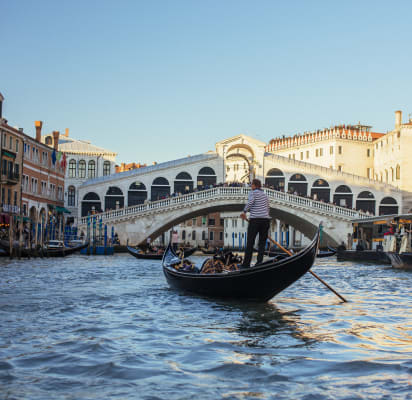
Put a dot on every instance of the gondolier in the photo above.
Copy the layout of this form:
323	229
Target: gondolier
259	221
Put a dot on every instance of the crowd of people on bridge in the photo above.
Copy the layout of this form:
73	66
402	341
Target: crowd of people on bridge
241	184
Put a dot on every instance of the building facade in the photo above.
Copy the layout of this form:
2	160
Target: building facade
84	161
11	165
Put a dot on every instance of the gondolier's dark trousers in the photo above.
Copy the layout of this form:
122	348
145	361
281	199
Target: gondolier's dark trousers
256	226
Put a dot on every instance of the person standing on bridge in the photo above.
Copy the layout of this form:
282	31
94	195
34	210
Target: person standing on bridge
259	221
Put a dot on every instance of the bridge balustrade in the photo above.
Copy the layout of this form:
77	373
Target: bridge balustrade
240	193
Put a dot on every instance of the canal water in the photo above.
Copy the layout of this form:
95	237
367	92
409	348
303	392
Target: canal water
110	328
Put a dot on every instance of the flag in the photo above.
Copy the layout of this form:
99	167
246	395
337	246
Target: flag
64	162
59	155
54	157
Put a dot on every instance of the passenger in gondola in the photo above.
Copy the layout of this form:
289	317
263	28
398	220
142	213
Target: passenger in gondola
390	231
341	247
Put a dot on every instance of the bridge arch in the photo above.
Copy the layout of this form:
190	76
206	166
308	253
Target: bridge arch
183	183
276	179
366	202
206	177
343	196
388	205
137	194
160	188
138	229
91	203
113	199
320	190
298	184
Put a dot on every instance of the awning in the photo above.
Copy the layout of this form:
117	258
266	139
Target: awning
8	154
51	206
62	210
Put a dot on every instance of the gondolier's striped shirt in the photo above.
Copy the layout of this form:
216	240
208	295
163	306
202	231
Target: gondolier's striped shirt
258	204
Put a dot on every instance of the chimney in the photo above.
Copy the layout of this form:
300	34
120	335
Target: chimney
1	105
66	133
38	125
56	140
398	119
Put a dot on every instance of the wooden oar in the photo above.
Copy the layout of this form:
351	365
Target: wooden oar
319	279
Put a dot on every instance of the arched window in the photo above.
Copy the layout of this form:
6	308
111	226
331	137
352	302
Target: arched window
183	235
366	202
343	196
388	206
320	190
193	235
206	178
91	203
114	198
160	189
106	168
398	172
298	185
71	196
82	169
137	194
72	168
392	174
275	179
92	169
183	183
386	176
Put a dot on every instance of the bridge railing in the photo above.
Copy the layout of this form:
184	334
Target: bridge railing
240	193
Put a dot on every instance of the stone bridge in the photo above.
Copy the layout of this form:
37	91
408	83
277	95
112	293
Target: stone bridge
136	223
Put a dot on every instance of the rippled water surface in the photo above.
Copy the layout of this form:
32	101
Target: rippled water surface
111	328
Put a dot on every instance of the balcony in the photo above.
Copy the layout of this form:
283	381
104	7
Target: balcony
10	178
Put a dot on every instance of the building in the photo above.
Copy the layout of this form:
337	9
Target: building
43	186
128	167
11	163
84	161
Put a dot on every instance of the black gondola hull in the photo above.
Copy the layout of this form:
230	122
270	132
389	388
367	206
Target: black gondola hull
152	256
401	261
259	283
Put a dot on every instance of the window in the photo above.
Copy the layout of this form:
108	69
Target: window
368	152
72	168
183	235
221	235
17	146
211	236
340	149
82	169
193	221
4	140
11	143
301	155
368	173
317	152
307	154
211	222
331	150
194	235
398	172
15	198
92	169
106	168
340	168
222	221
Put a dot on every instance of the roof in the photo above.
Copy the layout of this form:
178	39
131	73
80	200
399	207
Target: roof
74	146
151	168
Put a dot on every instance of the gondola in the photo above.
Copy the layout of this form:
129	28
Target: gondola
209	252
154	256
259	283
41	251
322	254
400	260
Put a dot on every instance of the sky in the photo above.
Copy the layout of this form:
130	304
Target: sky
160	80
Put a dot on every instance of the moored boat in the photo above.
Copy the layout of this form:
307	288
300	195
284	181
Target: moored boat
259	283
155	256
